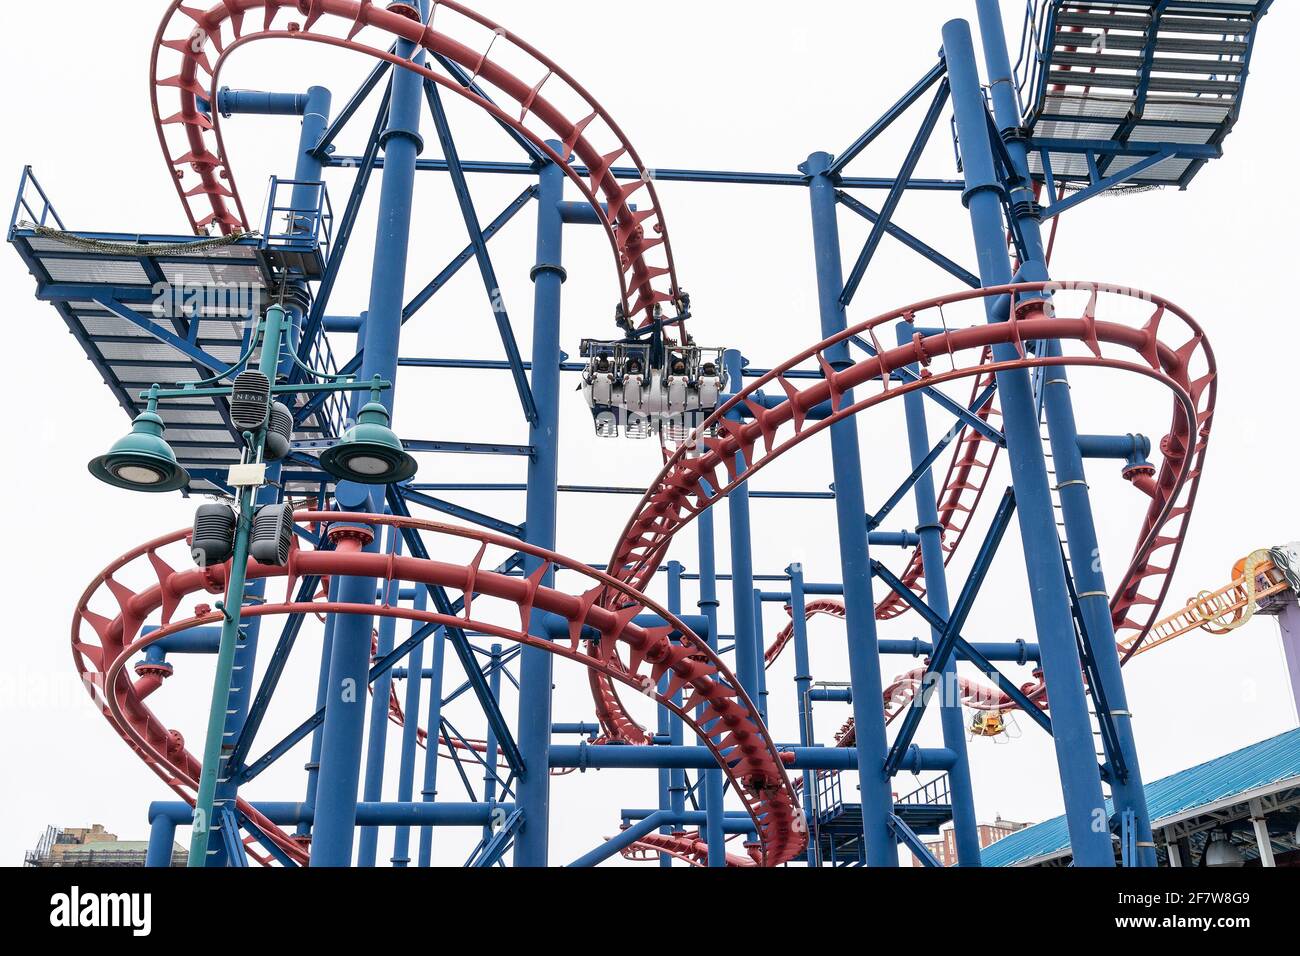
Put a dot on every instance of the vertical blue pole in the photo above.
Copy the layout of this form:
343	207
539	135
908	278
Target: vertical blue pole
708	605
322	694
410	743
433	724
535	665
965	827
490	748
742	562
673	781
377	740
1072	486
803	686
1085	809
345	712
162	838
855	558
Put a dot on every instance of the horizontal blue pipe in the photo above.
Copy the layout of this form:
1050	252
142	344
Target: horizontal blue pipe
344	323
578	728
1018	651
231	101
615	757
583	213
671	175
1115	446
733	821
557	628
370	814
837	695
194	640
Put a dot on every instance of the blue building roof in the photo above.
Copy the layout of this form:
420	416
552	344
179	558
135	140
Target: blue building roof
1250	768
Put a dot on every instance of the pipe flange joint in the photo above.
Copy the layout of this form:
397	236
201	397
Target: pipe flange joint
350	531
969	192
410	134
548	267
1027	209
294	295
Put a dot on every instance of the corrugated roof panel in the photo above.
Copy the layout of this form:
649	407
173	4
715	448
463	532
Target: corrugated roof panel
1250	768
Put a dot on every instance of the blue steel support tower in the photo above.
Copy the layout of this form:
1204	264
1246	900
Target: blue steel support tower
345	711
539	524
1071	731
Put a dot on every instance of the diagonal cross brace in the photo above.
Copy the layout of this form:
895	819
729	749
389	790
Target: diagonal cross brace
895	193
967	416
441	279
459	642
270	679
485	266
950	636
875	520
379	667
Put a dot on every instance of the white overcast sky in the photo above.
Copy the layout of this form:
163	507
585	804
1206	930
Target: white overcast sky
754	86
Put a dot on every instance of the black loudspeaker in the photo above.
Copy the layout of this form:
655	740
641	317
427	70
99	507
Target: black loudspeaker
213	540
272	534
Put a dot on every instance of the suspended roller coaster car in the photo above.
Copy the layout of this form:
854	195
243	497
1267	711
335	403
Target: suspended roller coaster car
644	388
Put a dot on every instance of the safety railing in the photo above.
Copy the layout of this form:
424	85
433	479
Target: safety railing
936	792
32	201
1034	39
830	795
307	224
334	413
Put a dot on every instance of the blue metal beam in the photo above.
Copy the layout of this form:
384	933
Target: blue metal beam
909	240
465	514
908	838
731	177
895	194
353	365
1110	182
459	642
887	120
926	463
338	250
322	148
944	647
493	287
965	414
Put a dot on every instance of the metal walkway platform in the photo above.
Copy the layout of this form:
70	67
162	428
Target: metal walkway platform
166	309
1142	91
838	830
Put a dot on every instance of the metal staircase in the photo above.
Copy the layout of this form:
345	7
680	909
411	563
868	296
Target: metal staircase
1139	91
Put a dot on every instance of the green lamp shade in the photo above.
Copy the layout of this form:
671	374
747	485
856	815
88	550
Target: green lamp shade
142	461
369	453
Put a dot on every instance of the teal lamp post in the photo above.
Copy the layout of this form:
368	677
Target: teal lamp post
142	460
369	453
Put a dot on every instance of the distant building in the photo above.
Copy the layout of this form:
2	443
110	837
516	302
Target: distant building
91	846
945	849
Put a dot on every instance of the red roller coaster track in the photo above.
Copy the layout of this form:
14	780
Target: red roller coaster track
551	106
689	481
104	643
